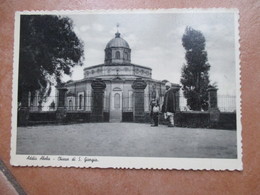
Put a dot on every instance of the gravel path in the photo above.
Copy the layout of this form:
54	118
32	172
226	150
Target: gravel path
126	139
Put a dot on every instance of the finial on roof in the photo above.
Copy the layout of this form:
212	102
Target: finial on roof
117	26
117	33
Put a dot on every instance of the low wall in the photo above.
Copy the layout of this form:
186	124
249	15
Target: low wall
106	116
77	117
192	119
39	118
127	117
227	120
83	117
42	116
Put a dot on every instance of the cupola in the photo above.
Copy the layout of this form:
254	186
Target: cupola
117	51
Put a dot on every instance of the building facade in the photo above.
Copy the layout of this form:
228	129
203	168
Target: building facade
121	79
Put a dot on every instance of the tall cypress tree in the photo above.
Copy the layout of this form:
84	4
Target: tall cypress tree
195	76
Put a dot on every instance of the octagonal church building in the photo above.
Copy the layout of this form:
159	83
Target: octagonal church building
114	91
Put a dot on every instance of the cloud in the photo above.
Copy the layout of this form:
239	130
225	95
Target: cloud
84	28
97	27
166	64
93	57
176	33
114	30
77	73
132	40
156	42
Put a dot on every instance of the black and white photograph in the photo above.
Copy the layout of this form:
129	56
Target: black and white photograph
142	89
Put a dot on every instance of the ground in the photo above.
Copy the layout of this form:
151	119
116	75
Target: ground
126	139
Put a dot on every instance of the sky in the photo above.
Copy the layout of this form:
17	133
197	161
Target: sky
156	41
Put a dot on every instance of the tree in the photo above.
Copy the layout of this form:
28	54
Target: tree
195	77
49	48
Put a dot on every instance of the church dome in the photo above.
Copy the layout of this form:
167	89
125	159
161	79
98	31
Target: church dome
117	51
117	42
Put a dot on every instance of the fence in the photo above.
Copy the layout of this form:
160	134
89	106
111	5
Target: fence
76	104
127	104
106	103
72	103
226	103
79	109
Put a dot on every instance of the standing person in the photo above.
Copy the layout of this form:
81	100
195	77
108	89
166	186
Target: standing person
169	104
155	108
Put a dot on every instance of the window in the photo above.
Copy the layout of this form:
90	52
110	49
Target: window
80	104
117	55
108	56
126	55
70	104
80	101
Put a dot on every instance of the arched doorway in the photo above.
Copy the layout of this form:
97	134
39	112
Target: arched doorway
116	105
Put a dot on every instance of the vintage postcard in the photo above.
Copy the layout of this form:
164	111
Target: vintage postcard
142	89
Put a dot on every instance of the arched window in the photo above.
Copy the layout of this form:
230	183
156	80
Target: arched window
117	101
126	55
108	56
80	101
117	55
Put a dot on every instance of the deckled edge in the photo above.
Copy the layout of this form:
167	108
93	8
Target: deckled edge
238	89
235	11
127	11
14	111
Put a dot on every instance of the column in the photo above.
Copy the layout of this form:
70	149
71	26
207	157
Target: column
61	109
138	108
98	87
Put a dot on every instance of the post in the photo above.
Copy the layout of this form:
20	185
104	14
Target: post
23	110
139	85
61	109
213	105
98	87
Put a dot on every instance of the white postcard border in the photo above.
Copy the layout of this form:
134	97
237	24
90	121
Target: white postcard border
125	162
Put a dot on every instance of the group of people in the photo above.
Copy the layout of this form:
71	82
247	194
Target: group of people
168	108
